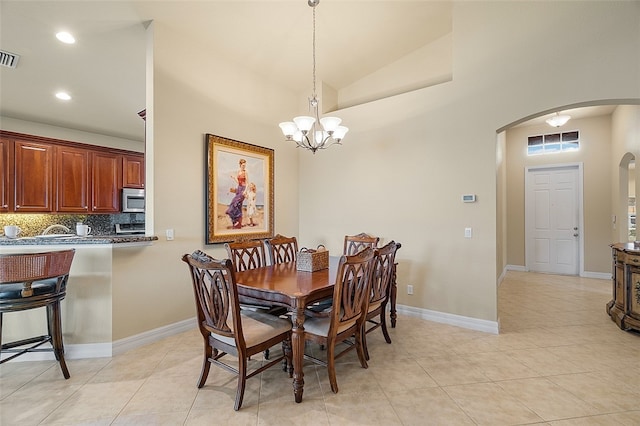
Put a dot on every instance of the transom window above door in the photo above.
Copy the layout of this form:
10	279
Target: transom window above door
553	142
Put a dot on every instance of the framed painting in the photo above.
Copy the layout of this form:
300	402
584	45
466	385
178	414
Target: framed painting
239	204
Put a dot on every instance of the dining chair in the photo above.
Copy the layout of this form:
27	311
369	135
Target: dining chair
229	330
250	254
245	255
35	280
355	243
352	245
381	275
282	249
350	299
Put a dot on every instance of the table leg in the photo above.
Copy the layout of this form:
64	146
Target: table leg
297	346
394	293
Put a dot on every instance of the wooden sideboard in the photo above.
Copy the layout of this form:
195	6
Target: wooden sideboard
624	308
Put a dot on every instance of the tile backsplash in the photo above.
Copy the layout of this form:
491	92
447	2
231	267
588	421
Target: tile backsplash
101	224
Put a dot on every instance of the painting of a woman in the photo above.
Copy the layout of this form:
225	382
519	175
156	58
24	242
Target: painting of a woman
239	202
235	207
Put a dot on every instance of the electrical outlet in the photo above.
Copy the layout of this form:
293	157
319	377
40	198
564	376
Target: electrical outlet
169	234
409	289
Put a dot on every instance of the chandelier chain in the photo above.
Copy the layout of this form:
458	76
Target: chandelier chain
314	51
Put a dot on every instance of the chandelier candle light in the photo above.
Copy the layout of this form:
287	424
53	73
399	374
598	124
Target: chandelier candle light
304	130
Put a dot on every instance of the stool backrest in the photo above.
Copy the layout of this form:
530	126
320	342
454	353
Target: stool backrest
29	267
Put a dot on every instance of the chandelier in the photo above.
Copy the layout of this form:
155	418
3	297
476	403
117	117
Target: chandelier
558	120
305	130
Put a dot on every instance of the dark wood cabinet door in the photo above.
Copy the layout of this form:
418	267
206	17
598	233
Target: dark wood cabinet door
72	185
133	171
34	174
6	175
106	181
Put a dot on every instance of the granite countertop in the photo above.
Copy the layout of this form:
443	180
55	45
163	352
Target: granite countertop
74	239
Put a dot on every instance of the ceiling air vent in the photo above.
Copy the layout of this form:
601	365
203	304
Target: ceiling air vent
8	59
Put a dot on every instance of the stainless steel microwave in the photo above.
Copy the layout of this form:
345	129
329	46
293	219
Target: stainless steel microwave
132	200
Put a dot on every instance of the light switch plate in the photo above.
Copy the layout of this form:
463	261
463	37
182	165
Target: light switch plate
169	234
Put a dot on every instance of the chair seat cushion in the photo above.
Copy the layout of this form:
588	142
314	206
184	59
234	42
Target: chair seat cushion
320	325
14	291
374	305
258	327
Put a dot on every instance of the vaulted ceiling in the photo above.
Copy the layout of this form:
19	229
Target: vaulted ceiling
104	70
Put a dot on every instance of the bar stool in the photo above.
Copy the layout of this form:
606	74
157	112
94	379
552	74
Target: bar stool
35	280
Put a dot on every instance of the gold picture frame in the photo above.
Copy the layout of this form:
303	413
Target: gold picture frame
239	201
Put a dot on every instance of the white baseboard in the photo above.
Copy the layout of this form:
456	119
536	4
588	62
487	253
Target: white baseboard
598	275
585	274
100	350
450	319
135	341
108	349
518	268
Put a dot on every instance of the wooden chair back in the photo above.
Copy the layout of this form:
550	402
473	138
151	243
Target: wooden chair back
217	305
381	288
384	260
355	243
282	249
246	254
351	291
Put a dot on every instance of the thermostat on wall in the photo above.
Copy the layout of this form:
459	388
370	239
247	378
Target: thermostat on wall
469	198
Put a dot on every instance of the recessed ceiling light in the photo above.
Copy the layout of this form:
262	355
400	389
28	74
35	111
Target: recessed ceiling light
65	37
64	96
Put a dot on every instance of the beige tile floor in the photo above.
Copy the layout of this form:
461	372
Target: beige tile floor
559	360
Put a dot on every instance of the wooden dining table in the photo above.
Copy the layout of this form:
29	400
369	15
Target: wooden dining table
283	285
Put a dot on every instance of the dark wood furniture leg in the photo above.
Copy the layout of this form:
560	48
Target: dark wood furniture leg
297	346
394	292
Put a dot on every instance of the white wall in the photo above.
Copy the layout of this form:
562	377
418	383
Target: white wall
408	159
194	94
625	142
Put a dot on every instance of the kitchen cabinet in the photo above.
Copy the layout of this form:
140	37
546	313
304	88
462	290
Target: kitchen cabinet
34	175
106	182
133	171
44	175
72	179
6	175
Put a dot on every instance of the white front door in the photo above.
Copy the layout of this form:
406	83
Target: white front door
552	219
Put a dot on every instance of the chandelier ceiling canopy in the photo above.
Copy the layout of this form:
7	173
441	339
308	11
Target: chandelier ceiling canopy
312	132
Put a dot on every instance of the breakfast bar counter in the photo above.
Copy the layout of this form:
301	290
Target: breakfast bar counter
96	291
70	239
